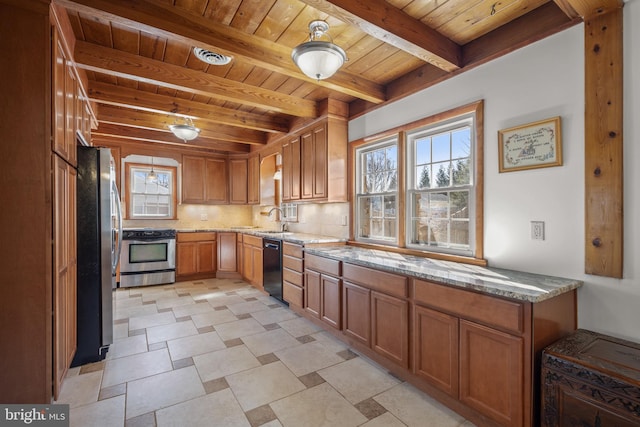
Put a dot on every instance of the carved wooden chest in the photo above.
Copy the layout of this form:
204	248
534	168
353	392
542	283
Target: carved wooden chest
589	379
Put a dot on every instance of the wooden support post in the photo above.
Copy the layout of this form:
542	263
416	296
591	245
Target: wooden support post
603	143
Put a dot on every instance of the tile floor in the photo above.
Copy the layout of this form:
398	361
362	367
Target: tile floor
217	352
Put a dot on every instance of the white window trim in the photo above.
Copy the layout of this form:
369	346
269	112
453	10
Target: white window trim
172	170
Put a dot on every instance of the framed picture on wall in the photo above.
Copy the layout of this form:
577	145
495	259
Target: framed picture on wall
530	146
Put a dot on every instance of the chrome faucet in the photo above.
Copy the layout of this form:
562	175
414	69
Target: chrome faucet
283	224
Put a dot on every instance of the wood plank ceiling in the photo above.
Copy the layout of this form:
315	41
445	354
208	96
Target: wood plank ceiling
143	74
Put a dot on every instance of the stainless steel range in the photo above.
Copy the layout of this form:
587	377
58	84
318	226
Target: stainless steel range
148	257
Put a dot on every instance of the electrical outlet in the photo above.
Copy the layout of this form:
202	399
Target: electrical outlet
344	220
204	217
537	230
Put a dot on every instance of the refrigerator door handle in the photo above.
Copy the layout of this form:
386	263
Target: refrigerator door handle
118	237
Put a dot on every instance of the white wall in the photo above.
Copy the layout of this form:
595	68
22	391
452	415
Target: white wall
544	80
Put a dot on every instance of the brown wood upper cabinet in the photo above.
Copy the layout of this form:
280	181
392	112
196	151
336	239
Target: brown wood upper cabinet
314	163
253	184
238	181
204	180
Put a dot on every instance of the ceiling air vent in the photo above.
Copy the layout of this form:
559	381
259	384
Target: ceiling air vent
212	58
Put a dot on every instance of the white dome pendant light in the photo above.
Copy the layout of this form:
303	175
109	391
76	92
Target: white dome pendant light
318	59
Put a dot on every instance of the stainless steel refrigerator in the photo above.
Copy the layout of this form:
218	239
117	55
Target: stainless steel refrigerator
99	225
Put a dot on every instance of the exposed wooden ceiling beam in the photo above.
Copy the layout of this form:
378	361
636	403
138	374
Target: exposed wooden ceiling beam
148	120
381	20
119	96
118	63
178	24
164	138
590	8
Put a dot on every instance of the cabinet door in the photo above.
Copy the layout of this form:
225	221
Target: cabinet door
59	98
187	258
247	265
390	328
207	257
216	181
491	373
253	184
307	165
193	172
239	257
71	88
357	313
227	260
239	181
286	172
256	255
436	349
314	163
331	300
312	292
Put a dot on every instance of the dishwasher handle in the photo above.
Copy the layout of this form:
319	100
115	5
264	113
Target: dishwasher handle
271	246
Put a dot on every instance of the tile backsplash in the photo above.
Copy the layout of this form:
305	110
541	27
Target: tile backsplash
316	218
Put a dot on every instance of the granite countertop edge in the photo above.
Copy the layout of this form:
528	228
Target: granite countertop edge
288	236
500	282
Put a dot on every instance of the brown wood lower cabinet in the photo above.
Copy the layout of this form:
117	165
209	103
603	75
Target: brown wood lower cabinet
293	273
196	255
252	260
474	352
227	255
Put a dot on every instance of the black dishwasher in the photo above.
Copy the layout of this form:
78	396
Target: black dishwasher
272	267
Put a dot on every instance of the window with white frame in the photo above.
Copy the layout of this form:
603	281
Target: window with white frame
376	194
419	187
151	191
440	187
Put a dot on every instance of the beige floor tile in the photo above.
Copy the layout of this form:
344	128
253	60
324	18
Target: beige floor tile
162	390
270	342
138	310
215	409
191	309
247	307
413	407
329	341
263	385
320	406
213	318
134	367
105	413
239	329
120	331
275	315
225	362
357	379
127	347
308	358
80	390
157	292
128	302
387	420
163	303
121	293
171	331
274	423
222	299
194	345
156	319
299	327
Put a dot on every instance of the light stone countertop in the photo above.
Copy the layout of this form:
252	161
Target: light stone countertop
287	236
506	283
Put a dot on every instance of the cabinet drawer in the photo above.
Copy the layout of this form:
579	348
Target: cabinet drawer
252	240
323	265
292	276
292	249
196	237
504	314
377	280
292	263
292	294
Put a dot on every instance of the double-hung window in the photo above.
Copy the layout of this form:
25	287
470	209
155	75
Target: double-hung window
440	187
377	191
418	187
151	195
